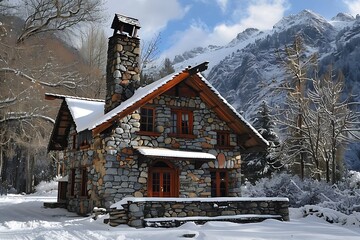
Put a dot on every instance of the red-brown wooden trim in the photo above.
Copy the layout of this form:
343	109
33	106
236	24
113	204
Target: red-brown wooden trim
177	135
153	134
224	112
177	79
179	113
72	182
153	116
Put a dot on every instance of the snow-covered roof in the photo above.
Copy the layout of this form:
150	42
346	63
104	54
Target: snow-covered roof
88	114
84	110
139	94
163	152
233	109
142	92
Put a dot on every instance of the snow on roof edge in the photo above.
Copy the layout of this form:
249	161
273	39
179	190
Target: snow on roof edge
60	96
81	110
164	152
232	108
139	94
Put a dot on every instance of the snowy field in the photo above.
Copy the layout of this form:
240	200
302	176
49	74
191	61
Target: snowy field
24	217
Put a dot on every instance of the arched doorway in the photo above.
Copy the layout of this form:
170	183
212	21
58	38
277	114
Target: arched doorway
163	180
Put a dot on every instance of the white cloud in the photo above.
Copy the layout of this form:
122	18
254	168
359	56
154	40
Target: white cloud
353	6
192	37
154	15
222	4
261	14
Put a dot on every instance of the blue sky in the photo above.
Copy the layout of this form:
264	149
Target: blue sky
184	24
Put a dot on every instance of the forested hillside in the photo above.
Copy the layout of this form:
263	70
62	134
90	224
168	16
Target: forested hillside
33	62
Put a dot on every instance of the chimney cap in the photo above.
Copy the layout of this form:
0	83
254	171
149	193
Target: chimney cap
125	24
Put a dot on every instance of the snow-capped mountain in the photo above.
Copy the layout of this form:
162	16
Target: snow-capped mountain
244	69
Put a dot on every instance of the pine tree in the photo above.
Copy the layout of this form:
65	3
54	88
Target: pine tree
262	164
167	68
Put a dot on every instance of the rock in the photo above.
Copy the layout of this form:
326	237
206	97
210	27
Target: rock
142	180
119	47
159	129
117	74
138	194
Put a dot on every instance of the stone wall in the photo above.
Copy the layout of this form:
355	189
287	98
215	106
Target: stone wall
77	160
125	176
114	169
134	212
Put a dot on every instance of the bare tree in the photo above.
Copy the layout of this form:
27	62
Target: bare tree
27	71
94	46
335	122
297	66
57	15
94	52
318	123
149	53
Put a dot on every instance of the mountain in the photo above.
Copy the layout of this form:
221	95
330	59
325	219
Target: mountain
243	69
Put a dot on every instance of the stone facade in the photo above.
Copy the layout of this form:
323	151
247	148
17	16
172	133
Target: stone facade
114	169
142	212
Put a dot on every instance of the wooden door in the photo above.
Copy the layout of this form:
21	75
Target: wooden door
163	181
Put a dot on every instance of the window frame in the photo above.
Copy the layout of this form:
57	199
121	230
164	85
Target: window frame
179	123
72	183
146	130
225	141
83	184
74	141
84	139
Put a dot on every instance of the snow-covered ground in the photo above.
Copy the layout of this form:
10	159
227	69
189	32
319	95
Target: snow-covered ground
24	217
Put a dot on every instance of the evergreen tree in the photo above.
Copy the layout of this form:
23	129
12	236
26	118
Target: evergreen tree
167	68
259	165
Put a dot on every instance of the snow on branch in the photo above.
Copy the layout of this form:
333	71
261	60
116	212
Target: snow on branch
7	101
13	116
67	84
48	15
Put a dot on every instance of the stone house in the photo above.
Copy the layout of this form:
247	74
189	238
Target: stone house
176	137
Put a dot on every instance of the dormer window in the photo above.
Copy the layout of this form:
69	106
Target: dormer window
147	119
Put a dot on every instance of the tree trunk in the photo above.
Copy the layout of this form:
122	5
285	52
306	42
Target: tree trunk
327	170
29	173
333	152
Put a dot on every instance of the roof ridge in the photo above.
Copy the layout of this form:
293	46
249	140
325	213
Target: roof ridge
62	96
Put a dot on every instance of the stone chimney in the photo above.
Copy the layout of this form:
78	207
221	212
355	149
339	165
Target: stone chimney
123	68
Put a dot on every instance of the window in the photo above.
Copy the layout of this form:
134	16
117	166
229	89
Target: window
181	122
84	178
74	141
147	120
219	183
223	139
84	139
72	185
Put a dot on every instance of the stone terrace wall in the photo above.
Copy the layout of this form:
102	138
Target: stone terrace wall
135	211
